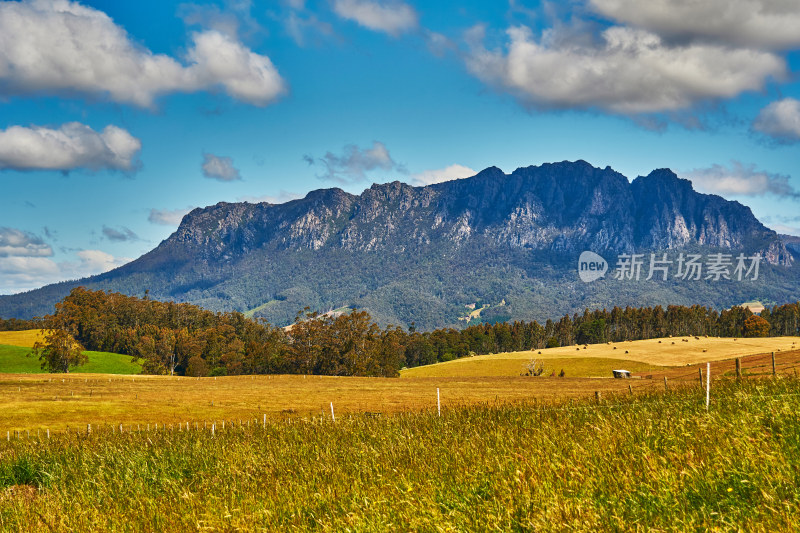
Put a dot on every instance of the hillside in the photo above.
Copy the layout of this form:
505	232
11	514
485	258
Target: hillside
16	358
598	360
421	254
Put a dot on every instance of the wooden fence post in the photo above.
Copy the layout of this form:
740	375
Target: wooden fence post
665	383
597	395
773	365
700	371
738	368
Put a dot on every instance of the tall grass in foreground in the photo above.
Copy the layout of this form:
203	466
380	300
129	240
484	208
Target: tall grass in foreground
655	462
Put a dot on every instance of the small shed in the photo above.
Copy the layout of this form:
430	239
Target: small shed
621	374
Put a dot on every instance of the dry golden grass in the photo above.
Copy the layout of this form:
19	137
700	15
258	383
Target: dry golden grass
24	338
499	365
57	401
665	352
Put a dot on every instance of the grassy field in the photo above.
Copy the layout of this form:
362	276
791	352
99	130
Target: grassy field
56	401
597	360
24	338
15	360
15	347
656	461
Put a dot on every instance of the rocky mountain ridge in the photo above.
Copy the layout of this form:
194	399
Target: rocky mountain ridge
421	253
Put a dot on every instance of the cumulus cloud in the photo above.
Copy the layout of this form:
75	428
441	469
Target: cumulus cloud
121	234
764	24
780	120
219	168
26	262
452	172
18	243
167	217
628	71
392	17
741	180
57	46
69	147
353	164
21	273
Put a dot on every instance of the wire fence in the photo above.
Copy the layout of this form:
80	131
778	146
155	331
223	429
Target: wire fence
775	365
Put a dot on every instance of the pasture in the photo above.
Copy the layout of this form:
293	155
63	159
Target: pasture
657	461
15	347
25	338
597	360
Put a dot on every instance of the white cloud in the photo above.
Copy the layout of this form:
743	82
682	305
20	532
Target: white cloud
18	243
784	229
57	46
392	17
631	71
354	163
764	24
92	262
780	120
19	274
25	263
232	20
219	168
452	172
69	147
741	180
299	26
282	197
167	217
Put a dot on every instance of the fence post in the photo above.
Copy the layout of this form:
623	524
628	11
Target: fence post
438	402
700	372
738	369
597	395
265	421
333	417
88	429
665	382
708	384
773	365
630	389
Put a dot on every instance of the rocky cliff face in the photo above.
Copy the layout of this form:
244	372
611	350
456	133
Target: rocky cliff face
562	207
422	253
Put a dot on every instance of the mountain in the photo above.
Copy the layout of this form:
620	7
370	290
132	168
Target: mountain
510	242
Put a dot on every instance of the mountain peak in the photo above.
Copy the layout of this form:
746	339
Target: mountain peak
412	253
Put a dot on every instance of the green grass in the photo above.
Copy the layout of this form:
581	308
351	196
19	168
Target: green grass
658	462
15	360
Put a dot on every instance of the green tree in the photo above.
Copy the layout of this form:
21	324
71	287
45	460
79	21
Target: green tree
59	352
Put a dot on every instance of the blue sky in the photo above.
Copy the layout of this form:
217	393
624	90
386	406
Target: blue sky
118	117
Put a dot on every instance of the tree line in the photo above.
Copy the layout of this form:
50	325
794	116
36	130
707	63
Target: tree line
16	324
183	339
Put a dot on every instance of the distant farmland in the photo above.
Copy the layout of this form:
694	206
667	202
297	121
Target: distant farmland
58	401
597	360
